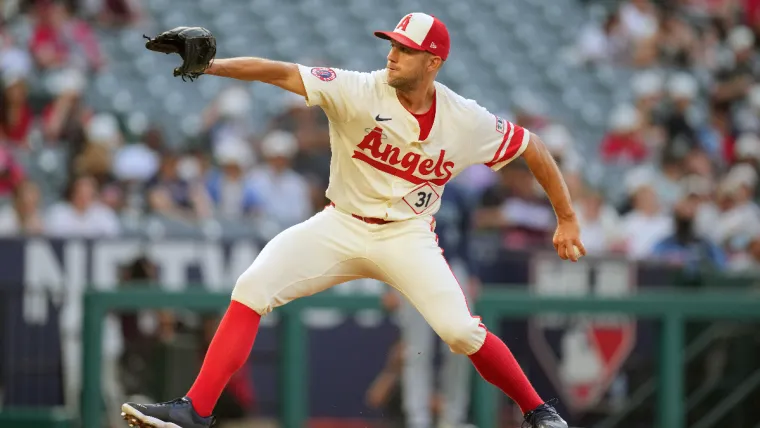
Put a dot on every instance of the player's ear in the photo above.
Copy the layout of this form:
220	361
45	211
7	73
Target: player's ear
434	62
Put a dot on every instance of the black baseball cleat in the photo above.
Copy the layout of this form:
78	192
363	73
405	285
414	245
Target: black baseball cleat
177	413
544	416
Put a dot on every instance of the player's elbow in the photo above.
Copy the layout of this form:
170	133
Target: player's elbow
534	147
287	76
536	154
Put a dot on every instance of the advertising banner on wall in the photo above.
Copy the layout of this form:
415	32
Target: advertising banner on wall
577	358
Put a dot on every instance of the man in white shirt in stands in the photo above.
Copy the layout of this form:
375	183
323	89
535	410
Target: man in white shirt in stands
81	215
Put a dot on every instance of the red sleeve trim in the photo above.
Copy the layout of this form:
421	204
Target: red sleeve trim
513	143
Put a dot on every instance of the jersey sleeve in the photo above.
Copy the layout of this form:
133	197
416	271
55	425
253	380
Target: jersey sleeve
339	92
498	141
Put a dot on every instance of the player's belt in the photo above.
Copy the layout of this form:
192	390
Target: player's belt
370	220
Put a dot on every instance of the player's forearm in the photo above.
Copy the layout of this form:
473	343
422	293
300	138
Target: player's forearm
278	73
548	174
247	68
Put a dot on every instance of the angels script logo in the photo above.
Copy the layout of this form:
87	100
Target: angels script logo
410	167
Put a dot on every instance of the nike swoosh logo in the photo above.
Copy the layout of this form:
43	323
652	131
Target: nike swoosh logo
381	119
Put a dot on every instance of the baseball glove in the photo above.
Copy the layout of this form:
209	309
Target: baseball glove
196	46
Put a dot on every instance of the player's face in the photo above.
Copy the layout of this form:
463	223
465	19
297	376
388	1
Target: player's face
407	67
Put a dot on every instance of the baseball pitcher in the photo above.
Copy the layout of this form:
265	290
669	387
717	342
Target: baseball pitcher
397	138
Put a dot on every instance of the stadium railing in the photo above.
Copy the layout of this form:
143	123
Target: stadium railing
673	308
36	418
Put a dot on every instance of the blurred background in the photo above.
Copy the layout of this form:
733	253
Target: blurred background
114	174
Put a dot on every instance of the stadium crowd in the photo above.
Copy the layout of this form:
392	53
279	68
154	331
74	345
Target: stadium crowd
687	143
687	139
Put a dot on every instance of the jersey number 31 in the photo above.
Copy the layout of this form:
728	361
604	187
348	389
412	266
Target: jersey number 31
421	198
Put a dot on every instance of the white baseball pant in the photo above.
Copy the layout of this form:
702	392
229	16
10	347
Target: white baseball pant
418	381
333	247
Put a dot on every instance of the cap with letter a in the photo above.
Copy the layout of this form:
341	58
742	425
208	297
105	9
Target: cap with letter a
422	32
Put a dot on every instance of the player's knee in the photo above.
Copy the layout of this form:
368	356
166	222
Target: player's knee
462	339
247	293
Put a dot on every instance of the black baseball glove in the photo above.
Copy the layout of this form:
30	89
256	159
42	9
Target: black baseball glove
196	46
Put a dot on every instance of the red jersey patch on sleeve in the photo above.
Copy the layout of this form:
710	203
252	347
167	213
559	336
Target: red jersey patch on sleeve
324	74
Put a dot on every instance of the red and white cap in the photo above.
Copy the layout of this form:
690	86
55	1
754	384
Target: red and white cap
422	32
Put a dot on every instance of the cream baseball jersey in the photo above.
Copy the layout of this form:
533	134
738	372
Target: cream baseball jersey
379	166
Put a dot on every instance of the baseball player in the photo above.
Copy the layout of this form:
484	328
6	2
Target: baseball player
397	138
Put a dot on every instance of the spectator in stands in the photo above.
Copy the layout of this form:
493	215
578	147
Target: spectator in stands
228	116
103	137
232	195
685	248
13	59
623	144
700	189
174	196
640	24
514	205
699	163
529	112
147	335
752	14
747	115
600	223
22	216
385	393
716	133
112	13
740	70
739	213
648	92
197	163
11	173
284	194
667	182
680	122
81	214
133	165
676	41
296	116
95	158
139	161
646	224
61	40
639	19
748	149
16	116
310	127
748	261
65	117
708	53
607	43
748	152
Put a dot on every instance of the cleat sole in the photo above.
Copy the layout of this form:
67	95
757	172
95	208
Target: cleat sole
136	419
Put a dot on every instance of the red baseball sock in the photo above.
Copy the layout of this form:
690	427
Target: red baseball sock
495	362
228	351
